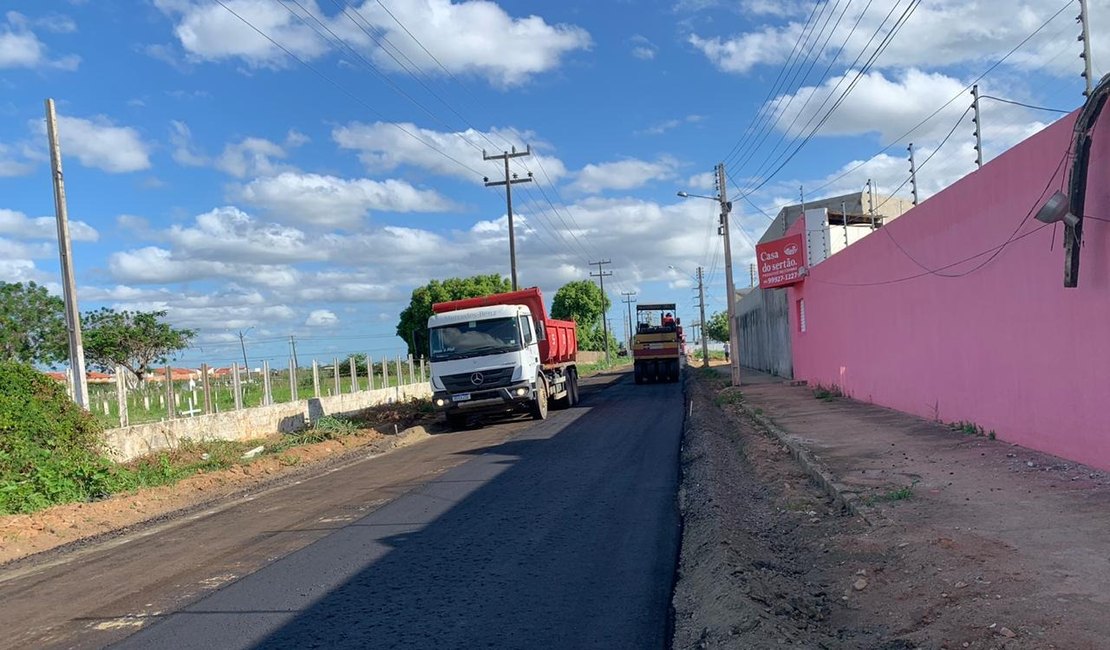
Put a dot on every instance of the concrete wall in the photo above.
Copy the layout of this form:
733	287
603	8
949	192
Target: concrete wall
764	325
132	442
957	310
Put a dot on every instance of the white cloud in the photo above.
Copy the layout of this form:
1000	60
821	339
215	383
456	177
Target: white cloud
643	48
474	37
667	125
321	318
184	151
20	226
251	157
956	31
154	265
384	146
329	201
229	234
209	32
21	48
100	144
469	37
623	174
14	164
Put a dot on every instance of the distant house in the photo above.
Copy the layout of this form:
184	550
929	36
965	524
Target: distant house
176	374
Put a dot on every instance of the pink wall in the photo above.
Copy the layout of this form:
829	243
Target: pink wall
1005	346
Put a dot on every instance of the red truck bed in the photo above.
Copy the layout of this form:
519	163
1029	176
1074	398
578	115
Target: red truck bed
561	344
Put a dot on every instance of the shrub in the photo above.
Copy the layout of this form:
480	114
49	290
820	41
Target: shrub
50	449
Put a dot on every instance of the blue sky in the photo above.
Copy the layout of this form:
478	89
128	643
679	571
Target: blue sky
306	191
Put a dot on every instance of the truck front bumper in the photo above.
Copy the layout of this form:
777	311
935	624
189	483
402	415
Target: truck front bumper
506	398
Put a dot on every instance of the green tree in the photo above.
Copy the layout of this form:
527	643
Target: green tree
32	325
135	340
717	327
583	302
412	326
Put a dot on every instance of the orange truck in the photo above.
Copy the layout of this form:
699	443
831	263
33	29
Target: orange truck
501	354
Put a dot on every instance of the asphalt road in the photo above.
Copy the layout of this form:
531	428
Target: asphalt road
556	534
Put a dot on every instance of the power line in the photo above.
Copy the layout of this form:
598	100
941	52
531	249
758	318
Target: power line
1010	101
349	94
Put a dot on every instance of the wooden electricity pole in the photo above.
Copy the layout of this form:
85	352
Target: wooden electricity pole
601	275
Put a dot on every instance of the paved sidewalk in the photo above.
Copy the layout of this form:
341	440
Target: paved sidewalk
1045	521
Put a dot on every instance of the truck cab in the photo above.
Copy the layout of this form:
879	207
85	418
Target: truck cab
499	358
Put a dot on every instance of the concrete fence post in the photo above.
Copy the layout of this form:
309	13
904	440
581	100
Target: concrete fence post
315	379
267	395
354	374
412	370
206	388
170	414
423	375
385	373
400	378
236	386
121	395
336	378
369	372
292	381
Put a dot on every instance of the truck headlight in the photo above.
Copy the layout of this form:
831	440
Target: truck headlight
440	401
520	392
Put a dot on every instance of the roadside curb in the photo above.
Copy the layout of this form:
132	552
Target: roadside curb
843	497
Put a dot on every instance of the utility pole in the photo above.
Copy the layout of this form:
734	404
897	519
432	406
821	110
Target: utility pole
65	252
913	175
1084	18
701	309
243	347
293	351
629	298
978	132
871	202
733	335
601	275
753	275
508	183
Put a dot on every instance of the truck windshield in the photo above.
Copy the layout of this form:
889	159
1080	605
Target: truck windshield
473	338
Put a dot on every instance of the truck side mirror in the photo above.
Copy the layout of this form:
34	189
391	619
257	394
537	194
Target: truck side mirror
541	335
678	321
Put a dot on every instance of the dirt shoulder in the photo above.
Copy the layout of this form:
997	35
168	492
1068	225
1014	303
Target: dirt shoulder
949	550
24	535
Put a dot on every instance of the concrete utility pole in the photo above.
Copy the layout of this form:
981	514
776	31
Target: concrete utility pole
753	275
913	175
508	183
65	252
243	347
733	335
978	132
701	309
629	298
1084	18
601	275
293	351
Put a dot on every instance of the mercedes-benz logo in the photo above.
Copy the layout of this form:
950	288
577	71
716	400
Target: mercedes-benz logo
477	379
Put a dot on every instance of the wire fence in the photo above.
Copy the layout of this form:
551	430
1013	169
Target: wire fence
167	393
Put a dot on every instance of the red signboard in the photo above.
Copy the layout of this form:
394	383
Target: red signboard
781	261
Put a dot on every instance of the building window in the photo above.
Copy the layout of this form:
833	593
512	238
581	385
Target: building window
801	314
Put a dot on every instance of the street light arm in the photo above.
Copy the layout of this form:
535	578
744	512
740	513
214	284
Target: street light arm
687	195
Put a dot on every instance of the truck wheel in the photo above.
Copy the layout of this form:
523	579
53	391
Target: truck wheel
672	367
566	400
539	407
456	421
573	387
639	372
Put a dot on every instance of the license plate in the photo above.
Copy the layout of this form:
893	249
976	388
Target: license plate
461	397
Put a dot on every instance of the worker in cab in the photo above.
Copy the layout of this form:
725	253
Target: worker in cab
668	320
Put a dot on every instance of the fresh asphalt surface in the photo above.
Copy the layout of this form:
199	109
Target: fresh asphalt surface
564	535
